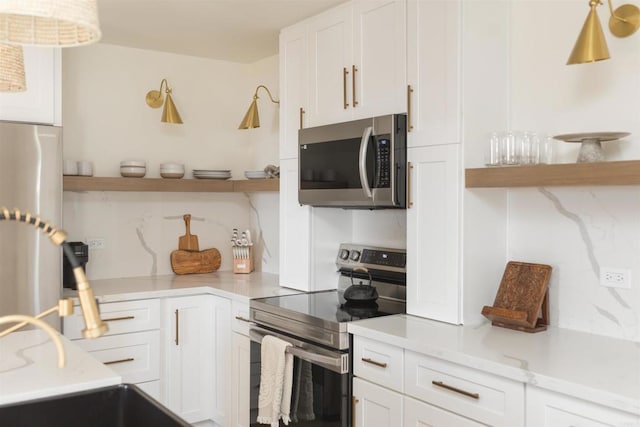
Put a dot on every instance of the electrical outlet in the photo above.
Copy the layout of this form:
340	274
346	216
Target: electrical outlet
95	244
615	277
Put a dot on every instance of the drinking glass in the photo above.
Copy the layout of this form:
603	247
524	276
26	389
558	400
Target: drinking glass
509	149
494	151
547	150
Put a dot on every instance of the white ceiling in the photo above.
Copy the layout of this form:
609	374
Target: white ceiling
231	30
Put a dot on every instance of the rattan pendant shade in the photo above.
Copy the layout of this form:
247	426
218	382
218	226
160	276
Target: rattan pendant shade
49	22
11	68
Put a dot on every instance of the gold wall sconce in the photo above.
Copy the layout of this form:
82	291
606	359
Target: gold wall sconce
54	23
591	45
252	119
12	68
155	99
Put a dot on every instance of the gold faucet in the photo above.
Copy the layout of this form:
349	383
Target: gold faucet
94	326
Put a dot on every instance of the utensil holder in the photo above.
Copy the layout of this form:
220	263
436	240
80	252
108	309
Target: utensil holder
243	265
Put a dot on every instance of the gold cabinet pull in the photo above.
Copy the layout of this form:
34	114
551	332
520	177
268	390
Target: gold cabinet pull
454	389
344	87
353	84
115	319
114	362
410	171
244	319
373	362
177	327
409	94
354	400
301	115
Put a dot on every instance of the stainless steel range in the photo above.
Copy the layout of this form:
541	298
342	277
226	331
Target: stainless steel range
315	324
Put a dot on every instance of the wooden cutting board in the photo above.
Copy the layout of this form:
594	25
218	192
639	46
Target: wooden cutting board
188	242
189	262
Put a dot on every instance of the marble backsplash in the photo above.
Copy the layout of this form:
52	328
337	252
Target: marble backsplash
141	229
579	231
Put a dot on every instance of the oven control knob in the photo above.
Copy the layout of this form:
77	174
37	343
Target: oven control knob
355	255
344	254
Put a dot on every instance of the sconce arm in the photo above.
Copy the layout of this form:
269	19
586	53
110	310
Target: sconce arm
613	13
255	96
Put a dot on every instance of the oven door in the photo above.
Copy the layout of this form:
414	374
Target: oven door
321	394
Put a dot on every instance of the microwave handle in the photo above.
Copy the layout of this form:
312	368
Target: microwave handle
364	144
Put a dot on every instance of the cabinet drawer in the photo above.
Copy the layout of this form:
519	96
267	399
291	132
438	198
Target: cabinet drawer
135	356
240	317
121	317
549	409
483	397
418	413
378	362
375	406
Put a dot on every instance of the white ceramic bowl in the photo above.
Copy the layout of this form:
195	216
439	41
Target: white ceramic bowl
133	163
172	174
132	171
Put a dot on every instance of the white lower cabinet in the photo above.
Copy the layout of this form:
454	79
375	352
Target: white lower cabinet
374	405
394	387
420	414
240	380
549	409
131	347
196	335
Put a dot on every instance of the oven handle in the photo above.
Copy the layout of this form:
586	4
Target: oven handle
362	161
338	362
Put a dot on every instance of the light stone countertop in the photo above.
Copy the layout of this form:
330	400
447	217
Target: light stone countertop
29	368
239	287
592	367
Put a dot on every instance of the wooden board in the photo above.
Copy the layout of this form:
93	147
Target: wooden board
188	242
189	262
521	297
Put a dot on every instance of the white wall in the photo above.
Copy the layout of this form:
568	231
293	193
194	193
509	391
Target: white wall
575	230
106	120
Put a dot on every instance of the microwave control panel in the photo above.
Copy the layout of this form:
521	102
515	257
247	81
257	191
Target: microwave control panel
383	162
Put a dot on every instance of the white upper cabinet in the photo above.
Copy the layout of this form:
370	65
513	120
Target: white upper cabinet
433	73
357	61
330	63
379	70
41	102
433	233
293	88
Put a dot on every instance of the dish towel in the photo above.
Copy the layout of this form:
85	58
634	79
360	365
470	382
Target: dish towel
276	381
302	409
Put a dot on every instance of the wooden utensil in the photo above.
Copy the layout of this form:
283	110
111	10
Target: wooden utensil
188	242
188	262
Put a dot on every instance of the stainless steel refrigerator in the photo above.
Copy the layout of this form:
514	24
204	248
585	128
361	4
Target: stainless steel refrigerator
30	180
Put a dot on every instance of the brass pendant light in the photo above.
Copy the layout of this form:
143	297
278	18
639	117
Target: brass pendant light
155	99
251	119
591	44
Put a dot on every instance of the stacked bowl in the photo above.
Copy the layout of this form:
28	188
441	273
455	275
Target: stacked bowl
171	170
133	168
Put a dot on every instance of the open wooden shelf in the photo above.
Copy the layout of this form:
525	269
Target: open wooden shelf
569	174
87	183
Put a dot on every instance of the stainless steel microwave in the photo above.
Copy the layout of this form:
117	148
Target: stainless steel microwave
356	164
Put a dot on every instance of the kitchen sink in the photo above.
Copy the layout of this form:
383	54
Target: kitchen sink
123	405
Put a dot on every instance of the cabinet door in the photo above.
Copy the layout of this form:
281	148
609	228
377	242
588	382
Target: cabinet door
295	230
433	233
40	103
548	409
433	28
420	414
330	53
196	340
380	58
375	406
293	88
240	380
